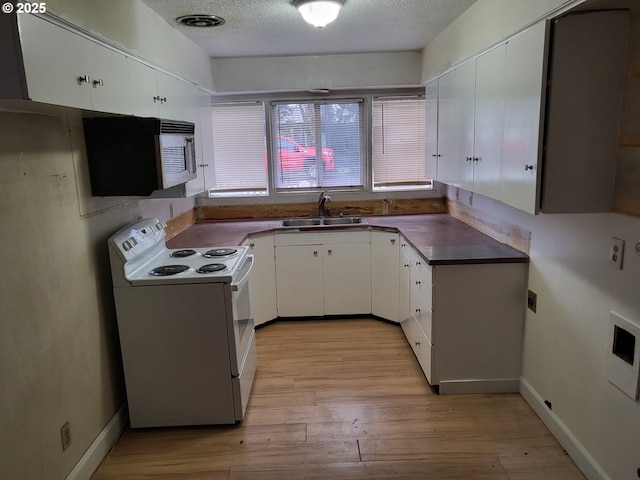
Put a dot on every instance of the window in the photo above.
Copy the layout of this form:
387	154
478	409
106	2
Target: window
317	144
238	150
399	156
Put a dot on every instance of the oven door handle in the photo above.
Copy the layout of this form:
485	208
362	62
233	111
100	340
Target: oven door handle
237	285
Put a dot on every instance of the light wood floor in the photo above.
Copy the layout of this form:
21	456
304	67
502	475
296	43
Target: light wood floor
347	399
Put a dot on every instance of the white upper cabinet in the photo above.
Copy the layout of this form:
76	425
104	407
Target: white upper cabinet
536	125
156	94
64	68
439	135
463	126
488	121
525	80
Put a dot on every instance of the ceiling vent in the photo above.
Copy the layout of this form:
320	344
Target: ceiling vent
201	21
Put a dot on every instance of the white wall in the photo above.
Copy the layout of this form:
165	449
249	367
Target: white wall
388	69
566	341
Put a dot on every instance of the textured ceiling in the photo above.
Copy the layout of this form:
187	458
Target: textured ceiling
274	27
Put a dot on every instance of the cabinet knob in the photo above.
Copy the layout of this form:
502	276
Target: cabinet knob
418	282
418	263
418	310
84	79
469	159
315	253
476	159
98	82
156	98
330	252
406	265
163	100
252	245
393	241
528	167
417	344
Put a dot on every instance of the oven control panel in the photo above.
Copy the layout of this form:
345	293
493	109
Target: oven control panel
139	237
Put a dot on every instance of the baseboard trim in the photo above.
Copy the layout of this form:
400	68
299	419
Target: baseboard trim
578	453
454	387
101	446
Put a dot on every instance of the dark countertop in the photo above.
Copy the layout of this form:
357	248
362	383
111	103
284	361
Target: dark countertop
442	239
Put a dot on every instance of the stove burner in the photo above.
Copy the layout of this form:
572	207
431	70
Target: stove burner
219	252
182	253
166	270
211	268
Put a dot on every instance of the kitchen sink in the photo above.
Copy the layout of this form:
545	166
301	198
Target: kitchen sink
301	222
343	221
321	222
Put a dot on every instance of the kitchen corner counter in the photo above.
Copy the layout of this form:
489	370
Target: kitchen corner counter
445	240
439	237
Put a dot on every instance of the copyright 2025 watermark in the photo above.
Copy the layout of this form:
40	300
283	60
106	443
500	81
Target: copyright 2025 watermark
20	7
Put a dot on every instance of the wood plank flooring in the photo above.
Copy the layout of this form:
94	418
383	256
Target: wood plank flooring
347	399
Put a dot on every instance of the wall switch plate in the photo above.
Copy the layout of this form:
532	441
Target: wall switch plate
616	253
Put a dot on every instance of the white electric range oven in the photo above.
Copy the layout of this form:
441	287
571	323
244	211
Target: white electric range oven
186	329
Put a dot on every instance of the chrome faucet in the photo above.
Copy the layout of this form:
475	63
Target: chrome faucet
324	198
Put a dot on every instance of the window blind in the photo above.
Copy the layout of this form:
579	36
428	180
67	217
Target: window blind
399	154
238	150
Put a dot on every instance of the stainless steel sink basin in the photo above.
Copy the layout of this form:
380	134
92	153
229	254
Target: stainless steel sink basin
321	222
343	221
301	222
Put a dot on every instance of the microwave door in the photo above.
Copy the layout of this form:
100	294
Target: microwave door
175	164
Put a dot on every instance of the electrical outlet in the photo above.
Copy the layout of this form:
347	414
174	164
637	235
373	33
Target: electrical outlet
65	436
616	253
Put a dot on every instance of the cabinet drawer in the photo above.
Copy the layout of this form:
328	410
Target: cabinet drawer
419	344
422	314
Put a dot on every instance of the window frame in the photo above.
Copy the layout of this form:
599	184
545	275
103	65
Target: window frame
366	161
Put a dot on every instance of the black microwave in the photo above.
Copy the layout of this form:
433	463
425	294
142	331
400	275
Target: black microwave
133	156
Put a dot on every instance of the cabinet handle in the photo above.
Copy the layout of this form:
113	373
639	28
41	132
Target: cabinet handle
403	245
203	165
163	100
315	253
418	310
84	79
418	263
252	245
417	344
439	155
418	282
156	99
393	241
469	159
476	159
406	265
528	167
98	83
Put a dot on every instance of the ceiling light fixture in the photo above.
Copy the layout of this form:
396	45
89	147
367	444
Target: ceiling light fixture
318	13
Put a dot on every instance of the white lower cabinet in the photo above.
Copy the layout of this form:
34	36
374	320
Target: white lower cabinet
385	275
262	290
464	322
323	274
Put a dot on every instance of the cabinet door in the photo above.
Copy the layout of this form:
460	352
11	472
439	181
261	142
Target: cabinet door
263	279
488	120
172	97
525	78
144	92
347	279
385	275
431	125
463	127
445	126
404	272
109	80
54	59
299	280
